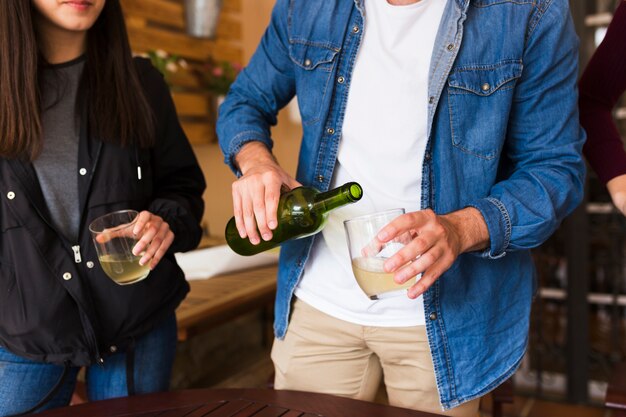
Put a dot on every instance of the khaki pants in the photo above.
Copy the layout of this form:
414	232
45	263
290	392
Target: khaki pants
323	354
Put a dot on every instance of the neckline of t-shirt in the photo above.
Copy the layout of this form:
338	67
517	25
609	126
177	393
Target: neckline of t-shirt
78	60
397	8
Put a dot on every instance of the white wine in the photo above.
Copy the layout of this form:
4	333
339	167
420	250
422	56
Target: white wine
123	269
373	279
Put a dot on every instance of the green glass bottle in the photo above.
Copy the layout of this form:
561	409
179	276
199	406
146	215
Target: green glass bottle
301	212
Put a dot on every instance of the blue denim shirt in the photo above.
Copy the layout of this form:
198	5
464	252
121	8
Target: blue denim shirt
503	137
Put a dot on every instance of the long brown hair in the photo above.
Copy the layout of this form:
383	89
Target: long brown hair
118	110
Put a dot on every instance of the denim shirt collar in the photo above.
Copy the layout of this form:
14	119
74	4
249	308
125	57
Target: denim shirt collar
447	45
359	6
463	4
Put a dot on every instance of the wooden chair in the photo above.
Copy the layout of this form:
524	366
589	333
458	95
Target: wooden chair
615	399
503	394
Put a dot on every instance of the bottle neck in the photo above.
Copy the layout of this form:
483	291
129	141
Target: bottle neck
340	196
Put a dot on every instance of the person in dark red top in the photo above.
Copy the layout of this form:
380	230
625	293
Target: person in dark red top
601	85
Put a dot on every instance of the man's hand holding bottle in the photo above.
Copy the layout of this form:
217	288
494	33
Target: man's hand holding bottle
257	191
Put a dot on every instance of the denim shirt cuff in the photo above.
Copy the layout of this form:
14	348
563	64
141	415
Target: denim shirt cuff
499	225
237	143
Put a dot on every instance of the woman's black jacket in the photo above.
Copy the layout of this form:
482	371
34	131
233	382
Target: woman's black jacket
56	303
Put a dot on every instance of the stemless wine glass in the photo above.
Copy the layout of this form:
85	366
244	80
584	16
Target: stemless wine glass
368	254
114	239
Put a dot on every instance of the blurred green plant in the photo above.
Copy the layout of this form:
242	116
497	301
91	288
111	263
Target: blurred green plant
217	76
166	63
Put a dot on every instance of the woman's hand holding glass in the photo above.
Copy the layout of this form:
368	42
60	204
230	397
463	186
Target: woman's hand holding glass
127	241
155	237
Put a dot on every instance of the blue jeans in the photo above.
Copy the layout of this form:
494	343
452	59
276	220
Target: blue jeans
23	383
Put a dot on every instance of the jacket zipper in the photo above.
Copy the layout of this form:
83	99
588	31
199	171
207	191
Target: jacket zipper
77	258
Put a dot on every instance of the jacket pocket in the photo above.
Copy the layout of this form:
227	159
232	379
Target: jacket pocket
314	64
479	100
8	294
7	278
7	219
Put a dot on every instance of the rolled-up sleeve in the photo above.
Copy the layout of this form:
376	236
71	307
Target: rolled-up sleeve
544	141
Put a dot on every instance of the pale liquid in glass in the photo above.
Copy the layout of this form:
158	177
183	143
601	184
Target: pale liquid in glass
124	270
372	278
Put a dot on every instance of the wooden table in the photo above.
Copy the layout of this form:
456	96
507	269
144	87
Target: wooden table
233	403
215	300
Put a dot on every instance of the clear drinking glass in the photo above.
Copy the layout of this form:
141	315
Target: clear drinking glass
368	254
113	236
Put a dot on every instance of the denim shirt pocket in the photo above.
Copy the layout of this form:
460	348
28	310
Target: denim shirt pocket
479	100
314	66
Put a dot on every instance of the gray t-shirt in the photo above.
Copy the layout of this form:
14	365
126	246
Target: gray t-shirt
57	166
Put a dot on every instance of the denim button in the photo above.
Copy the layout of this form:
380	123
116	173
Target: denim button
90	264
113	349
82	171
431	100
67	276
320	178
485	87
307	62
10	195
330	131
433	316
340	79
450	47
427	156
355	29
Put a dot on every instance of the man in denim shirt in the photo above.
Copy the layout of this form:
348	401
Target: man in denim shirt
463	112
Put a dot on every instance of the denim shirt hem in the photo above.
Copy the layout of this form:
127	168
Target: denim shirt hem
447	405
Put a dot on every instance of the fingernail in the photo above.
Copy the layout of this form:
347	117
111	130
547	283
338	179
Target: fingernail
415	293
255	241
272	224
382	236
389	266
267	236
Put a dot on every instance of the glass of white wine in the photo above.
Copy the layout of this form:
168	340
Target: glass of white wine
368	254
114	239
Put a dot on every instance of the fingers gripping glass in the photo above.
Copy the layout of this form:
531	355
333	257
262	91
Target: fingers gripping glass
114	239
368	254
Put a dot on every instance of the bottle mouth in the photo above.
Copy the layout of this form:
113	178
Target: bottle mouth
355	192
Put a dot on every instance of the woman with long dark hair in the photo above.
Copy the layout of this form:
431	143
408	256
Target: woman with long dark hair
86	130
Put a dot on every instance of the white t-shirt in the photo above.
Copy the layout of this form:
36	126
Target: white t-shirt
382	148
